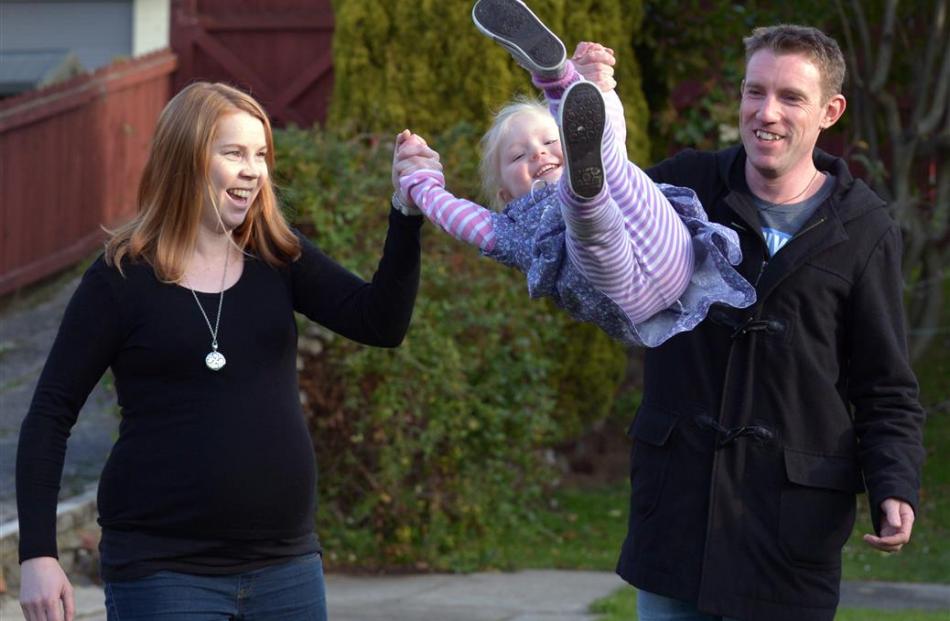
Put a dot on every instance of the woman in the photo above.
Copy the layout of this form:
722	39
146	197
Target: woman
207	499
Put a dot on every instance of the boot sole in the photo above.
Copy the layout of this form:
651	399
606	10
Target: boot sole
518	29
583	118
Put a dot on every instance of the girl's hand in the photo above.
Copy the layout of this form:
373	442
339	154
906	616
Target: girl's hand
411	153
596	63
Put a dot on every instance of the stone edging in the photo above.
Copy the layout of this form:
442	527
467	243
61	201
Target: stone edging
77	535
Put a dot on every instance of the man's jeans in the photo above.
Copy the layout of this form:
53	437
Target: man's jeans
653	607
292	591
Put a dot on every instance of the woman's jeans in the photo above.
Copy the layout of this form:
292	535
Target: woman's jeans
653	607
292	591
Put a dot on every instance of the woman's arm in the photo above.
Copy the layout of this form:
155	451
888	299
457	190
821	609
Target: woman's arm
88	339
375	312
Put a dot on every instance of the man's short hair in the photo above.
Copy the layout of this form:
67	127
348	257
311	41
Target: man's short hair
813	43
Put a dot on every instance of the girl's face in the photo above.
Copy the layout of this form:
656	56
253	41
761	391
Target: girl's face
530	150
238	169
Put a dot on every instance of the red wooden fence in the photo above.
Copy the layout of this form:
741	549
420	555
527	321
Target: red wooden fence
70	160
280	51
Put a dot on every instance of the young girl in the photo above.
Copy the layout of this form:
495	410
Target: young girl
603	241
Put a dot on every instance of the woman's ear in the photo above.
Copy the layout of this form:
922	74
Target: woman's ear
504	195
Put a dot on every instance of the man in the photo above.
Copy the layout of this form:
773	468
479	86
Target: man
758	428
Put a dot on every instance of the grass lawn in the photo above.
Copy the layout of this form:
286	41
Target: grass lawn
622	606
583	529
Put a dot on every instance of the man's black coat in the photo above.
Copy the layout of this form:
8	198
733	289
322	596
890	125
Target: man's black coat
757	429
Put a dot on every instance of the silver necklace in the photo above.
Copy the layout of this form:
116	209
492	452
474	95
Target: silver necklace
214	360
792	199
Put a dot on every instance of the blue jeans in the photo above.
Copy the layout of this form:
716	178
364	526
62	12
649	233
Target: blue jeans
653	607
292	591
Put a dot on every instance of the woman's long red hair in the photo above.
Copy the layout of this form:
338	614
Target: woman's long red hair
175	186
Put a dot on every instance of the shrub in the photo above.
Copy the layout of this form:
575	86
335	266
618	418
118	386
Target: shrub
423	65
428	452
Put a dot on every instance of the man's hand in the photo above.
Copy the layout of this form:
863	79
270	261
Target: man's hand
596	63
45	592
411	153
897	522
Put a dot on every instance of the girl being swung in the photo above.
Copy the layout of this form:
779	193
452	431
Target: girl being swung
587	227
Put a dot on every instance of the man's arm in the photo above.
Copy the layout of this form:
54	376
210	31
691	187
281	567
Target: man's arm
888	419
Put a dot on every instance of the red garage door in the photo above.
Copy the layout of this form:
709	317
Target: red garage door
278	50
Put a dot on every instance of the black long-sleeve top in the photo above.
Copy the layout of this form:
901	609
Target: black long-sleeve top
212	471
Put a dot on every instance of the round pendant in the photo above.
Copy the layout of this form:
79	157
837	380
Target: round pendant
215	361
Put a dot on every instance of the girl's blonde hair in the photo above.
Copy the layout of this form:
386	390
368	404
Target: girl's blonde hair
490	165
176	184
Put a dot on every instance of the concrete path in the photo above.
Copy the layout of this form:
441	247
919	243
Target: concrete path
522	596
896	596
540	595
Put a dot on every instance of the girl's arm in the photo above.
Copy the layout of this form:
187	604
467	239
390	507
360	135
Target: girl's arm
462	219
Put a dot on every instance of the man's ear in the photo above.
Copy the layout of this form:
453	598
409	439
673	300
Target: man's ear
834	108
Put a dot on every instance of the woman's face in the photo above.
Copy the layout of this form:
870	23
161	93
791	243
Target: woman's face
237	170
529	151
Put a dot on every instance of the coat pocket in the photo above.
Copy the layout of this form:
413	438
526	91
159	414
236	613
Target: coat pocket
650	432
817	509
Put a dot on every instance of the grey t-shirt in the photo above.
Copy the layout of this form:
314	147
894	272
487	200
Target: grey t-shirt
781	222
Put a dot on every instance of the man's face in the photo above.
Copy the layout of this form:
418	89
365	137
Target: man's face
782	112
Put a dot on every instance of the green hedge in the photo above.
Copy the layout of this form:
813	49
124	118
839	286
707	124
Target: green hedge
423	65
428	452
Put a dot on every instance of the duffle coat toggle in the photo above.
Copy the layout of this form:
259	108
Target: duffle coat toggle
727	436
769	326
741	326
